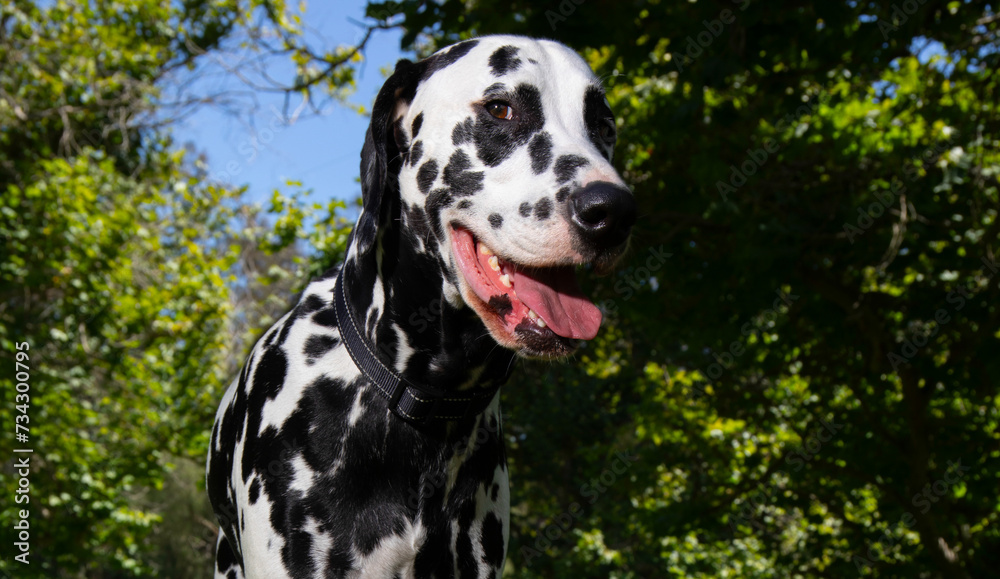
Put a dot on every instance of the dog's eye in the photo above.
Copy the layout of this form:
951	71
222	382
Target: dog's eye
500	110
607	130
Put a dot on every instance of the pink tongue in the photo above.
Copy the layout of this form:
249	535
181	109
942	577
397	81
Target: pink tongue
555	296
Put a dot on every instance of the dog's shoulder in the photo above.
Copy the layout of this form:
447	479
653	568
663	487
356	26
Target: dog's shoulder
298	355
300	351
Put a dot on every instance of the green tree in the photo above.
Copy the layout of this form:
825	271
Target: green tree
802	350
124	271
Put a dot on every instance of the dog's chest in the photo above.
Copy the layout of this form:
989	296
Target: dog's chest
319	467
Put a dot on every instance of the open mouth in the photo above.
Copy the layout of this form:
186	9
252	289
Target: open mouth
539	310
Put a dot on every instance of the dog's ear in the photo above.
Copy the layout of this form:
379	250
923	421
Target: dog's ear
380	156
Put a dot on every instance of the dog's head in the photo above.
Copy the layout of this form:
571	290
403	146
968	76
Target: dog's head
495	155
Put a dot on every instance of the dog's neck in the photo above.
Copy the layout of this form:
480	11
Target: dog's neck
409	321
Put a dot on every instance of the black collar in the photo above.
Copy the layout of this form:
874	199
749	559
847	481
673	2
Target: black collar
416	403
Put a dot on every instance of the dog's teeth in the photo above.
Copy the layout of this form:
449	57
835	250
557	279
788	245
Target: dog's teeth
505	279
485	250
495	263
532	314
540	323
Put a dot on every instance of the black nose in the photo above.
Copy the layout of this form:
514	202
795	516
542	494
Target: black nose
603	214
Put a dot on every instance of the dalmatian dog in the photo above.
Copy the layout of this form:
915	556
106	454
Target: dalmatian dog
362	438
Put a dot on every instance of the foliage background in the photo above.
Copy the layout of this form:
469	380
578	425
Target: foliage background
799	350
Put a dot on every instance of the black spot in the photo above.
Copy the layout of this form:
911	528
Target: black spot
494	492
268	379
541	152
497	139
436	201
464	204
457	176
286	328
500	304
496	220
326	317
426	175
495	90
301	310
416	151
492	539
296	553
441	61
462	131
562	194
543	209
320	421
269	337
312	303
269	376
567	165
254	491
276	335
525	209
416	221
418	121
504	60
596	115
317	346
225	557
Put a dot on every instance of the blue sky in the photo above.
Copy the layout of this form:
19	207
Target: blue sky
320	151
